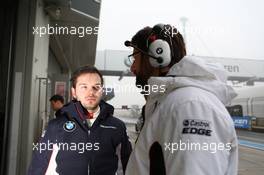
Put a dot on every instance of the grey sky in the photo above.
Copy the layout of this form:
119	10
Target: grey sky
226	28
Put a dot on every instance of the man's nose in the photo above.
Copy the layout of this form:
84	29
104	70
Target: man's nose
90	91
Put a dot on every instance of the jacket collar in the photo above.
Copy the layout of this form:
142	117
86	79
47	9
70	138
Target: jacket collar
76	110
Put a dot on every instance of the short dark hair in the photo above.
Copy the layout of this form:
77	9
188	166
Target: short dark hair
83	70
57	97
140	39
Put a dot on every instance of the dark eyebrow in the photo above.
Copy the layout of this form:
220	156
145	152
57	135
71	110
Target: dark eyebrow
92	85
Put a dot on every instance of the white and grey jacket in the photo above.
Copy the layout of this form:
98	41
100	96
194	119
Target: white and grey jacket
187	129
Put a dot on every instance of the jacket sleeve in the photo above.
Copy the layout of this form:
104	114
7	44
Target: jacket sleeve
233	159
126	149
123	150
42	152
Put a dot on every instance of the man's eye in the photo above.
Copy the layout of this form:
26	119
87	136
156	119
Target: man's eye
96	88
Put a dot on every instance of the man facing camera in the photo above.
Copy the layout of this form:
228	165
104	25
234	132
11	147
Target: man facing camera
86	139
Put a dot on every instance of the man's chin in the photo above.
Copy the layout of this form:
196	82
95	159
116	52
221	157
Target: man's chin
91	107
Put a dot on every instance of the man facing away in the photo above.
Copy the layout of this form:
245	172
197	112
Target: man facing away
57	102
86	138
187	128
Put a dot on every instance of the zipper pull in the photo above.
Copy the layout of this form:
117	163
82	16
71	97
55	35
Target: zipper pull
89	132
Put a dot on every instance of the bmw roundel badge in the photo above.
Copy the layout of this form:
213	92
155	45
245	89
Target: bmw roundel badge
69	126
159	50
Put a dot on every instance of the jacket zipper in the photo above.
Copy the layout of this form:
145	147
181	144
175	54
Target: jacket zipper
89	132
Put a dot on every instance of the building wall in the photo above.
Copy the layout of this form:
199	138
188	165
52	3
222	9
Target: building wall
31	63
53	65
7	35
39	81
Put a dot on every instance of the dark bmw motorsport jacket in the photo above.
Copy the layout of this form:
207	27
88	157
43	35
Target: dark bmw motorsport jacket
70	147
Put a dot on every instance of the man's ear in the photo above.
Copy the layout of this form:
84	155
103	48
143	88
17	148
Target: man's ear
73	92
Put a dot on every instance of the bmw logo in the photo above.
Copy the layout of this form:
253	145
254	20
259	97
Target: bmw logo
159	50
69	126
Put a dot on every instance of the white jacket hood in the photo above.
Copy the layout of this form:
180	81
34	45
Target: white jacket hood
184	108
196	72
